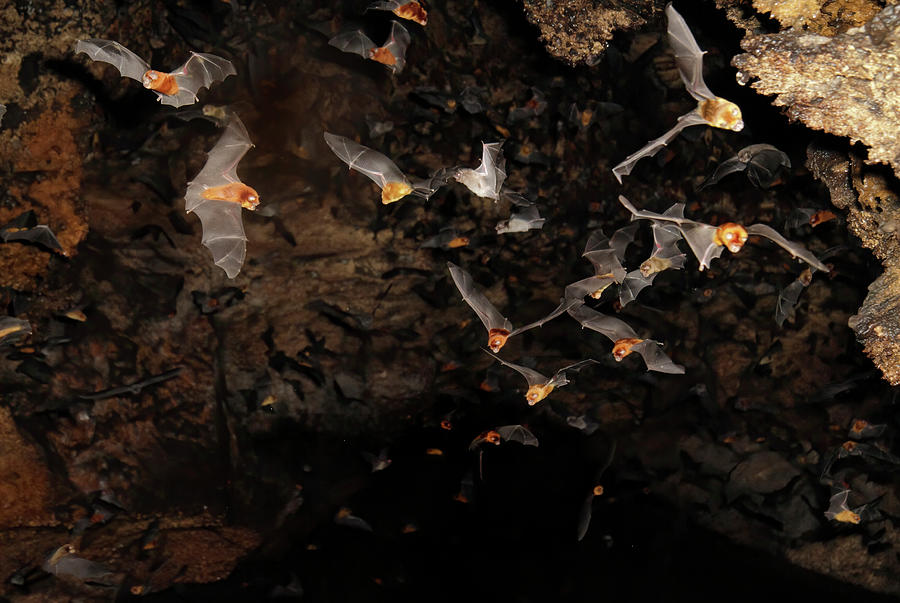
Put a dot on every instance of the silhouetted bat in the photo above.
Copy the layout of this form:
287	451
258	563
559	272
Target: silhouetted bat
790	295
64	562
411	10
762	162
539	386
382	171
448	238
711	110
587	507
487	179
625	340
582	424
498	326
380	462
177	88
861	429
217	197
134	388
522	220
665	256
707	242
345	517
392	54
25	228
12	329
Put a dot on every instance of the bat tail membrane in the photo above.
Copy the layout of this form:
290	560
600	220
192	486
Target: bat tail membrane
179	99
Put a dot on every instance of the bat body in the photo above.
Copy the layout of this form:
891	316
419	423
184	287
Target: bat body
522	220
24	228
625	340
392	54
606	255
176	88
379	169
380	462
411	11
839	511
587	507
861	429
217	197
711	110
761	162
448	238
487	179
790	295
707	242
665	256
539	386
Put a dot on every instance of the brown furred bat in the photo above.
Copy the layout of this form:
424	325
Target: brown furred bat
539	386
625	340
411	10
392	54
711	110
176	88
217	197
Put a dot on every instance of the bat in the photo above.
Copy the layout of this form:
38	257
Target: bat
532	108
392	54
582	424
790	295
625	340
447	238
411	10
217	197
134	388
711	110
382	171
24	228
707	242
487	179
665	256
498	326
861	429
345	517
380	462
539	386
587	507
522	220
506	433
64	562
838	509
761	162
177	88
606	255
12	329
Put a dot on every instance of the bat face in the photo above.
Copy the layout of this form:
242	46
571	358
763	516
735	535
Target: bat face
160	82
731	235
622	347
497	339
538	392
721	113
655	264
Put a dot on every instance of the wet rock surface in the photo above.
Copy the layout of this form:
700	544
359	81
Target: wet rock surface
202	438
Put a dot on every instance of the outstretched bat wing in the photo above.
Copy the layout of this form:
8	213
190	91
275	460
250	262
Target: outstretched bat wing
651	148
364	160
354	42
632	285
199	71
109	51
688	55
517	433
795	249
610	326
564	306
729	166
487	179
655	358
489	315
559	379
531	376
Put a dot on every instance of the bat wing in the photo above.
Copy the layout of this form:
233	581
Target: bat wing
596	240
655	358
632	285
765	164
559	379
487	180
622	238
729	166
40	235
223	233
364	160
221	166
517	433
688	55
531	376
651	148
11	329
355	42
489	315
795	249
606	261
665	239
700	238
397	45
108	51
787	301
584	516
610	326
523	220
564	306
587	286
199	71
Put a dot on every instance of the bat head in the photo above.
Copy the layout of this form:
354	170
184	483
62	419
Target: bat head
820	217
622	347
598	490
536	393
493	437
161	82
497	339
731	235
721	113
458	242
653	265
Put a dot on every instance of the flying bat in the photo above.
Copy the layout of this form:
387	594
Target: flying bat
861	429
176	88
345	517
707	242
392	54
522	220
380	462
625	340
382	171
711	110
487	179
11	329
24	228
64	562
761	162
790	295
606	255
447	238
839	511
666	255
411	11
506	433
587	507
217	197
498	326
539	386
